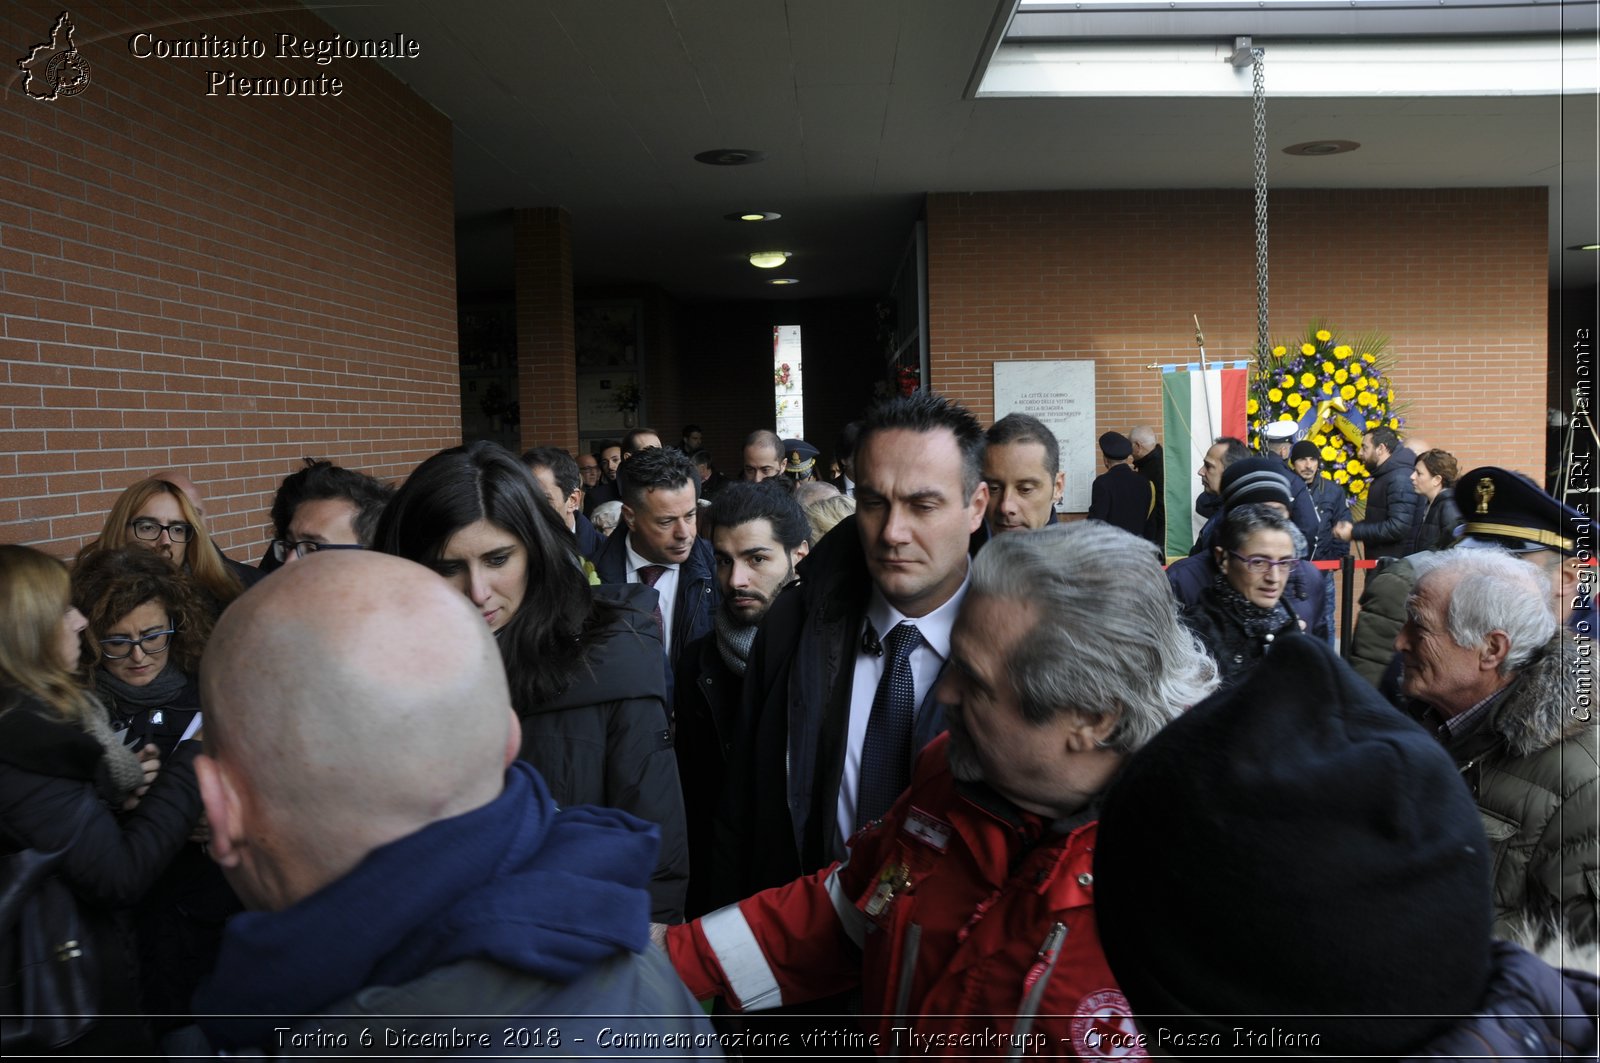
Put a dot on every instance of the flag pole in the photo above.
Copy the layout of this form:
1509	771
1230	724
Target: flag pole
1205	386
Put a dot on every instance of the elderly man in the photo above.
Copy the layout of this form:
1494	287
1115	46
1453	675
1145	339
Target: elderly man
1486	667
364	797
1501	510
966	915
1022	466
1148	459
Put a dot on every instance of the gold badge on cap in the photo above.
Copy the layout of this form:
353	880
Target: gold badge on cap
1485	494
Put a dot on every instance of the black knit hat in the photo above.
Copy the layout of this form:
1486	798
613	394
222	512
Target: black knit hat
1251	480
1291	850
1304	449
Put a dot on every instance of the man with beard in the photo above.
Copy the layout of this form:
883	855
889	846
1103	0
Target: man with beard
758	532
966	915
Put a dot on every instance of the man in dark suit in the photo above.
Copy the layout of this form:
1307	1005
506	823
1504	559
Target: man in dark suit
1149	462
656	544
558	477
1119	496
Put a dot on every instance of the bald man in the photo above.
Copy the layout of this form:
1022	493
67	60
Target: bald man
364	796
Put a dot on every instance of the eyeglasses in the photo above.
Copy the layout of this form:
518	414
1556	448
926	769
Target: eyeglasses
154	643
1258	565
150	530
282	548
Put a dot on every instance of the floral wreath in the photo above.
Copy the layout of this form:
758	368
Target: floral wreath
1333	392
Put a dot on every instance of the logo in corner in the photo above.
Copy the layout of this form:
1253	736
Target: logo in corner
1103	1028
56	68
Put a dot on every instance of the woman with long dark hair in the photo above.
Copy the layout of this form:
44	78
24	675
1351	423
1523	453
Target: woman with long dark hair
585	665
64	777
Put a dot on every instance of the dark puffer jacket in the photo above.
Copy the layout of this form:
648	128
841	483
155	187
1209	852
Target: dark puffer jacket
1530	1011
1385	526
605	741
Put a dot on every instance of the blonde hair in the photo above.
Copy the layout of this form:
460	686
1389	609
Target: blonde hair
200	558
825	514
35	597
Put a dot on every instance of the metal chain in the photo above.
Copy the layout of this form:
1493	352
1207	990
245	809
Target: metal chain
1259	101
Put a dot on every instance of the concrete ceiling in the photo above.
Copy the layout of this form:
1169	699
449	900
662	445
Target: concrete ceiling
861	107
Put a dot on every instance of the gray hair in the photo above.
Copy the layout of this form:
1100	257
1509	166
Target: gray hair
1241	522
606	515
1493	591
1108	642
1143	436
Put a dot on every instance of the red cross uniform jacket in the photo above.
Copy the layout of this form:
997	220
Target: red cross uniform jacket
967	923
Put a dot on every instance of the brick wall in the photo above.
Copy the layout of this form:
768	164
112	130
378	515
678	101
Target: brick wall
219	284
1457	278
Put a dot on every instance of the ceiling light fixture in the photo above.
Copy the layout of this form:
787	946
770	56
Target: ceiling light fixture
730	156
1318	148
1584	247
753	215
768	259
783	280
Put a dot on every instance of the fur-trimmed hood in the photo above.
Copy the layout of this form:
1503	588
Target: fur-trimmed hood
1551	700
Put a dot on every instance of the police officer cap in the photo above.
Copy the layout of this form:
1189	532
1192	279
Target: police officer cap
1116	446
1281	431
1509	510
801	456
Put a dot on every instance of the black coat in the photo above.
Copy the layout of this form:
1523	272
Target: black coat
1235	651
1124	499
1152	467
693	610
706	724
51	779
1385	527
605	740
777	818
1436	526
1333	505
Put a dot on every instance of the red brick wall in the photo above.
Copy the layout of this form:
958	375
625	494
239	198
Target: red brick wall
547	373
1457	278
219	284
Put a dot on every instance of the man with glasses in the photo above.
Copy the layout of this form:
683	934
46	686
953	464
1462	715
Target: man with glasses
324	507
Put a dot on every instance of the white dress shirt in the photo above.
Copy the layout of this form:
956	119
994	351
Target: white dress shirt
666	587
927	661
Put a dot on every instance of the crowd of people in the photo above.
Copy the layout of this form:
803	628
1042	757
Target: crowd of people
892	754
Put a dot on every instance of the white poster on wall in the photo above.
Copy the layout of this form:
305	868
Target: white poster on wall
1061	394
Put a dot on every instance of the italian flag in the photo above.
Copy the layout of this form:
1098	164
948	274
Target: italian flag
1197	406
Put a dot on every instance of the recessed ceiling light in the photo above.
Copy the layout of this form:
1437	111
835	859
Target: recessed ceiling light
1317	148
754	215
730	156
783	280
768	259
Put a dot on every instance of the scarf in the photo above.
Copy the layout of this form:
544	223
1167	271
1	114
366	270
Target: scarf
734	642
156	694
548	891
127	774
1256	621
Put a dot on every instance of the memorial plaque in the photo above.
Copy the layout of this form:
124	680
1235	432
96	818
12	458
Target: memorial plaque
1061	394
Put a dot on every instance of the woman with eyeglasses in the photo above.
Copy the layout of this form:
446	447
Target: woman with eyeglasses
1240	614
149	626
158	516
585	665
67	782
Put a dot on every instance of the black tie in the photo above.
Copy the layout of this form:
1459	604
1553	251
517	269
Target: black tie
648	574
886	753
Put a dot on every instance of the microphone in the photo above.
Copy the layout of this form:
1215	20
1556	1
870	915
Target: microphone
870	643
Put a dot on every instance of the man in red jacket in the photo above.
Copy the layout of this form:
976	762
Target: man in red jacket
966	915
